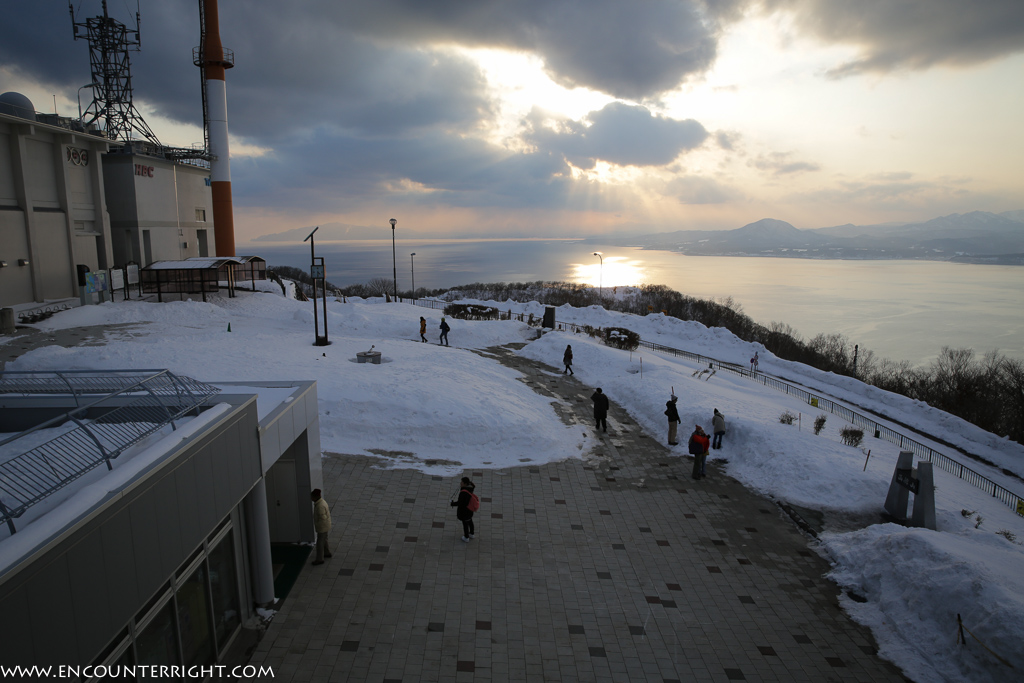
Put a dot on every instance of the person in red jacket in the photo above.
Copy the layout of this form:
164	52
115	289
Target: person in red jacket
699	444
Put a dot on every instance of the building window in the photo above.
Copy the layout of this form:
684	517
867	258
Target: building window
158	642
194	619
224	586
200	215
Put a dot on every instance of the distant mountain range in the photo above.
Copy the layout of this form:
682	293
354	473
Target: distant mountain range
976	237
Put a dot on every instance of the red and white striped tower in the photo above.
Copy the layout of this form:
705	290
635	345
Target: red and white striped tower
215	62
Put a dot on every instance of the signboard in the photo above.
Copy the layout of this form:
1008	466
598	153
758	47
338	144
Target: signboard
133	273
814	401
116	279
316	272
95	282
905	478
1020	506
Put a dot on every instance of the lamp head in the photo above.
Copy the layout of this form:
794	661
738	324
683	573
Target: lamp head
392	222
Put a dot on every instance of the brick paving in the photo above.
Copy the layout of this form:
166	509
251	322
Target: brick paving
614	566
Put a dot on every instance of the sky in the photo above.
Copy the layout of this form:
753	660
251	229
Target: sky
575	117
452	410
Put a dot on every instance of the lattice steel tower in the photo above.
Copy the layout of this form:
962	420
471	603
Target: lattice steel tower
109	44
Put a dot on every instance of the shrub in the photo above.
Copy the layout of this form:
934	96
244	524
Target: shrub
1008	535
819	424
470	312
787	418
851	436
621	338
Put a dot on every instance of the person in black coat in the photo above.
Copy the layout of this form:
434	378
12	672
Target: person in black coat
567	360
600	409
463	513
673	420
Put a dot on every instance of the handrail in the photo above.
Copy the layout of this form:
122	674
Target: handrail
152	399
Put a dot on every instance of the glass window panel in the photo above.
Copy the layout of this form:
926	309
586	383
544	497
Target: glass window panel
194	619
224	584
158	642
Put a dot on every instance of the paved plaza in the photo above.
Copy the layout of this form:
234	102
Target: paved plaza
612	565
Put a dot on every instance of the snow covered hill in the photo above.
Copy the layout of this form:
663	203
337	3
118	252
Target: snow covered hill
444	410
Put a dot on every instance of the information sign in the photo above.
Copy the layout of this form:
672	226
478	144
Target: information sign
95	282
905	478
133	273
116	279
316	272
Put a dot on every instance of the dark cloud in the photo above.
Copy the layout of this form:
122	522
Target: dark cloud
329	170
629	50
913	34
727	140
619	134
782	163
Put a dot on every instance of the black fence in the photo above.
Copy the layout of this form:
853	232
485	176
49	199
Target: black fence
879	431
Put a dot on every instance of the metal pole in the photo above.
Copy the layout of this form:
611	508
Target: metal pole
600	277
394	258
412	260
312	262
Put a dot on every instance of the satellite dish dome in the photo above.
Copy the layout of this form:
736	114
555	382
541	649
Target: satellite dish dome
16	104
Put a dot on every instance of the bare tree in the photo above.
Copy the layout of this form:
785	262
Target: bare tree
380	286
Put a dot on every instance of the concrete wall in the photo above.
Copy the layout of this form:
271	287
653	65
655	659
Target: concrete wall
158	198
52	210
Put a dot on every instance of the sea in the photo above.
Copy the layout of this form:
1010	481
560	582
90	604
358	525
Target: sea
902	310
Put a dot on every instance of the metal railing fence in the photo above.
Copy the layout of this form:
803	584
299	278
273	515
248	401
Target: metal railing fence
880	431
150	400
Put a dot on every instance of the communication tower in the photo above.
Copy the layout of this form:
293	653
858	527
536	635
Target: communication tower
110	41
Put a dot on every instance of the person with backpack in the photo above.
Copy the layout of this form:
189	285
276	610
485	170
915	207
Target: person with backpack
698	447
567	360
672	413
423	329
466	505
444	332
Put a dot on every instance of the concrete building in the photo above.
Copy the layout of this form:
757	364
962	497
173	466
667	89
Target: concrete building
161	559
69	197
160	209
53	212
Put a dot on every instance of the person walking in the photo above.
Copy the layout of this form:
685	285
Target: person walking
698	448
600	409
567	360
444	332
718	427
673	419
423	329
463	512
322	525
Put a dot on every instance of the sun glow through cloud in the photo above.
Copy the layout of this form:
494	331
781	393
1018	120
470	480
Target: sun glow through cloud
617	271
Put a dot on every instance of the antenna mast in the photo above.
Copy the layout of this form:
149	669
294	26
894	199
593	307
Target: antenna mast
109	44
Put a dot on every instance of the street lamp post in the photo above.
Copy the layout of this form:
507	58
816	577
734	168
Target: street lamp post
600	277
412	262
394	260
94	84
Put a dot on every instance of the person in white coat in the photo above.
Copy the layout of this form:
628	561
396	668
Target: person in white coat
718	426
322	525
